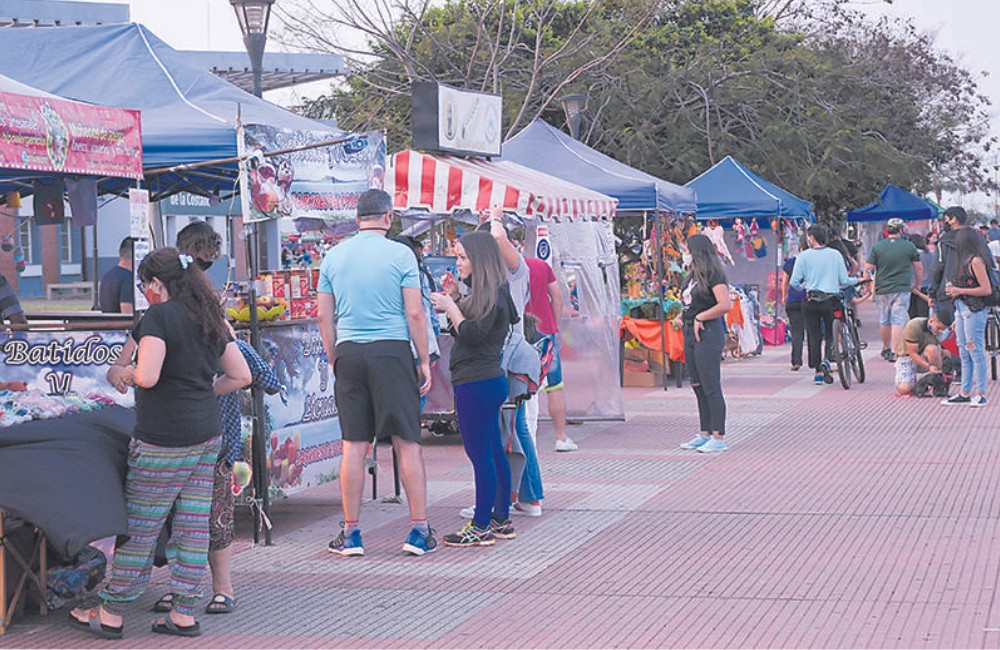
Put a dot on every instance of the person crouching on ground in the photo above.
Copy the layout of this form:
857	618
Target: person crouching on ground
920	348
705	295
182	340
480	323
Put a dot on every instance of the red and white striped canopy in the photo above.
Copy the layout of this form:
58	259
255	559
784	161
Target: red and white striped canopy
443	184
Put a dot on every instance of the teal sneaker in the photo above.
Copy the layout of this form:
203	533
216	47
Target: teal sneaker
712	446
695	442
419	544
502	528
347	545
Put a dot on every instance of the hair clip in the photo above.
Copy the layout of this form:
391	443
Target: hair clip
185	260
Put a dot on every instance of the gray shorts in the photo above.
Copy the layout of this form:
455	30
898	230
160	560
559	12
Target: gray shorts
893	308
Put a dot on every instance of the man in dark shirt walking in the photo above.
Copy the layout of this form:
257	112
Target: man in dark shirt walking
117	293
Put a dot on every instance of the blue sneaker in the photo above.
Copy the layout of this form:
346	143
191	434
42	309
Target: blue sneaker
419	544
346	545
712	446
695	442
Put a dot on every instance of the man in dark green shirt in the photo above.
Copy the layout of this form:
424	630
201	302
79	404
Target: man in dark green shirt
895	262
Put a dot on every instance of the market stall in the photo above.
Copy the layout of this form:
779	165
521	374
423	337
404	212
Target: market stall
893	202
648	210
62	437
762	217
563	222
199	133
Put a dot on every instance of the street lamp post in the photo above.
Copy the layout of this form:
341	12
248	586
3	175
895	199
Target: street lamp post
254	16
573	106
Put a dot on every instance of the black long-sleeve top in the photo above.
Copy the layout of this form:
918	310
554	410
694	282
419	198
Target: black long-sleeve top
479	344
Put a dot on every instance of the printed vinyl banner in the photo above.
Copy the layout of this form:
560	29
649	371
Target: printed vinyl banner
58	363
304	444
56	135
320	183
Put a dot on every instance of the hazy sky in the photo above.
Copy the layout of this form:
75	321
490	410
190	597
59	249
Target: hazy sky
966	28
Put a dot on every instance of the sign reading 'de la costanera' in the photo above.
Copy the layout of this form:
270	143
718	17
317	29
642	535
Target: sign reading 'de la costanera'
458	121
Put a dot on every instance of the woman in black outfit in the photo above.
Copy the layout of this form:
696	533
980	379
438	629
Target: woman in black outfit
480	323
705	294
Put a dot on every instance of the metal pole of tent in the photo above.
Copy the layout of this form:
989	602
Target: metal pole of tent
258	445
96	305
659	295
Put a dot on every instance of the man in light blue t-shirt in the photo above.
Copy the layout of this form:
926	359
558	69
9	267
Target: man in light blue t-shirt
369	307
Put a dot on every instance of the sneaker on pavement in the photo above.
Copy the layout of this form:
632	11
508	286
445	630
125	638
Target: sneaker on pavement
526	509
468	513
502	528
470	535
346	545
818	379
566	445
713	445
827	373
957	399
419	544
695	442
977	401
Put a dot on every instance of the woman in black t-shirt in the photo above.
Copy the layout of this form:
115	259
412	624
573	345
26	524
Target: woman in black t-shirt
480	323
705	294
182	339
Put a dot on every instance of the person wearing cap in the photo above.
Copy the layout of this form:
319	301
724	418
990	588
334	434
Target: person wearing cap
895	262
920	349
369	307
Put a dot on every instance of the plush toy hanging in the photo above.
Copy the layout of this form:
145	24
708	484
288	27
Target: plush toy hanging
7	244
715	232
19	263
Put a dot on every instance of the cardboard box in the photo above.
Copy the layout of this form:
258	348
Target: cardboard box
303	308
642	379
299	283
279	285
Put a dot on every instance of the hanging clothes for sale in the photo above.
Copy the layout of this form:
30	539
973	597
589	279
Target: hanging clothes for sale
743	319
717	234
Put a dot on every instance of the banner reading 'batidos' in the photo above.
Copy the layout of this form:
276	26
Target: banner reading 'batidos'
318	183
55	135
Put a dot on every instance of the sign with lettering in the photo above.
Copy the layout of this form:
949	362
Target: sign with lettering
58	363
315	182
49	134
304	444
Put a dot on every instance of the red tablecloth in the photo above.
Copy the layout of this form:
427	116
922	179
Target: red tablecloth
648	333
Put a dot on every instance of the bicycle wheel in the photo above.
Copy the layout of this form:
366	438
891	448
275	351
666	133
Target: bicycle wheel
992	341
857	361
841	345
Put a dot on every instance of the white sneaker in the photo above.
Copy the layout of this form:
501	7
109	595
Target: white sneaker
468	513
526	509
566	445
978	401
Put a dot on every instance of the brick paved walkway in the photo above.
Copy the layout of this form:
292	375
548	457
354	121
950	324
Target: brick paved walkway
836	519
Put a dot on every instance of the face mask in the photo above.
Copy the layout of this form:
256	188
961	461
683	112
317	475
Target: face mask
203	264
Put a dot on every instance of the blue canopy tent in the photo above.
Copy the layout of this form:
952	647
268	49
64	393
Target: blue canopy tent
543	147
188	114
894	202
729	190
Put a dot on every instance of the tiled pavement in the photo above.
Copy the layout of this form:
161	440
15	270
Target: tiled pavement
836	519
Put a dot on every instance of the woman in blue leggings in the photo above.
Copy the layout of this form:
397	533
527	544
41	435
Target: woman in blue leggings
480	323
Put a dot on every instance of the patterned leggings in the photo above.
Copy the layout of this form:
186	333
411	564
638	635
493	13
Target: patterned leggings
159	477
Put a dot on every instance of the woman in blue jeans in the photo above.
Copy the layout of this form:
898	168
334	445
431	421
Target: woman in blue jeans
705	294
969	287
480	323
